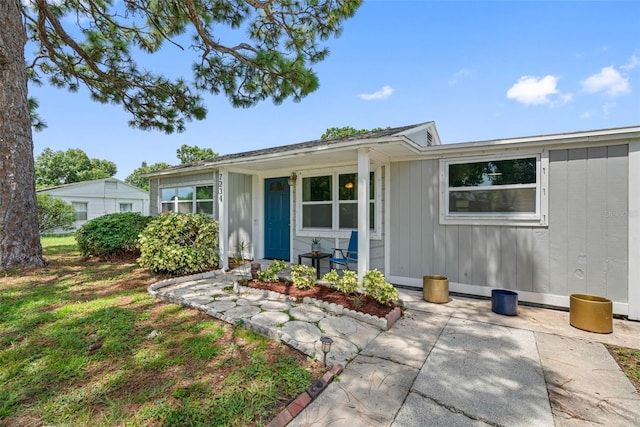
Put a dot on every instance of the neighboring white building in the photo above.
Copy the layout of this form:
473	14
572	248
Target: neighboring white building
92	199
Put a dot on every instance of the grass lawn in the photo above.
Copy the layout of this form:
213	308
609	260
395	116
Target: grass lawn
629	361
76	348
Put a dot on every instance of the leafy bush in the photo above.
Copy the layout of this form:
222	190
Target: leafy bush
378	288
270	275
303	276
347	284
180	244
113	234
54	214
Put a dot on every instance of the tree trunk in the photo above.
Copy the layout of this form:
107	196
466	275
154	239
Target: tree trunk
19	237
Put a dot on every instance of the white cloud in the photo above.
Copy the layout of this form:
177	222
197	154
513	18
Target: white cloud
459	75
586	115
608	80
531	90
634	62
383	93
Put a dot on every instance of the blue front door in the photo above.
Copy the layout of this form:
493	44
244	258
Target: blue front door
277	222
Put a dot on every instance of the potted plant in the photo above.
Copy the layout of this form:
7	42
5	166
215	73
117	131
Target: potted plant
315	245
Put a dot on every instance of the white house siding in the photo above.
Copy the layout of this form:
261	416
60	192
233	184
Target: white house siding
583	249
240	212
102	197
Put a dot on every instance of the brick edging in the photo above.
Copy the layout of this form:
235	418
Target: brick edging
299	403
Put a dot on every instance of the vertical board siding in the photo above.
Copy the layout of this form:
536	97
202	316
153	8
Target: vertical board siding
616	214
576	205
558	219
415	221
583	249
524	258
428	193
493	258
479	256
465	253
540	261
508	258
596	205
240	210
451	250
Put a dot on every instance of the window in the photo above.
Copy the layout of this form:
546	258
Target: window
187	199
81	210
126	207
492	189
330	202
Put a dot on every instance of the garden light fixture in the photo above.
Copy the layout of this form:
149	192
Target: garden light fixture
326	347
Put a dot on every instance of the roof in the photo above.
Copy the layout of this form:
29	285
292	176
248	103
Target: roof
402	133
93	181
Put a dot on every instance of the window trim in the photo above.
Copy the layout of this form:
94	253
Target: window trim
375	232
85	205
194	200
539	218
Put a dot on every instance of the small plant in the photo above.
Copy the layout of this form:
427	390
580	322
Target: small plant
315	241
376	286
303	276
331	277
347	284
239	257
270	275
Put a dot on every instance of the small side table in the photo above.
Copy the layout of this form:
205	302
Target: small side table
315	260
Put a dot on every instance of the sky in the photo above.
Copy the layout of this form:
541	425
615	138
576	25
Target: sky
480	70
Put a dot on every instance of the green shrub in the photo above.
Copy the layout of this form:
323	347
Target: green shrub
271	274
347	284
111	235
303	276
331	277
54	214
180	244
378	288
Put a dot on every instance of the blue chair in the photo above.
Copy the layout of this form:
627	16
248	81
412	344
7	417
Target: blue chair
350	256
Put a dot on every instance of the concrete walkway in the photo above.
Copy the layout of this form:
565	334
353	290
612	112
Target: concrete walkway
441	364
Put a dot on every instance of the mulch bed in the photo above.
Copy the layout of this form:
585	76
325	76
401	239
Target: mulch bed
362	303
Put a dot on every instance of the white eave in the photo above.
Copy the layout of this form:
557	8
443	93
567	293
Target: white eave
393	147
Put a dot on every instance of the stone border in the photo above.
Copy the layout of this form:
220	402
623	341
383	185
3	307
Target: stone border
382	323
306	397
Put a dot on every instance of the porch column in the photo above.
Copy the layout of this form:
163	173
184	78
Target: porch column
633	218
223	209
363	212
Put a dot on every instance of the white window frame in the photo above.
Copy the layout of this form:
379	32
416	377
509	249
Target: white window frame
81	205
194	200
538	218
375	232
125	204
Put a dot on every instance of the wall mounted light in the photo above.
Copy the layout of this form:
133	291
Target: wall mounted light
293	178
348	185
326	347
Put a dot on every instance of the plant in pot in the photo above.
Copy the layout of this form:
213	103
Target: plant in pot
315	245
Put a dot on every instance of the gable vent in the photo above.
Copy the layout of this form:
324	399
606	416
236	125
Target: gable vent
429	138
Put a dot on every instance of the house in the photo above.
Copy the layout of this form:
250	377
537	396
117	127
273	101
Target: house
95	198
547	216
